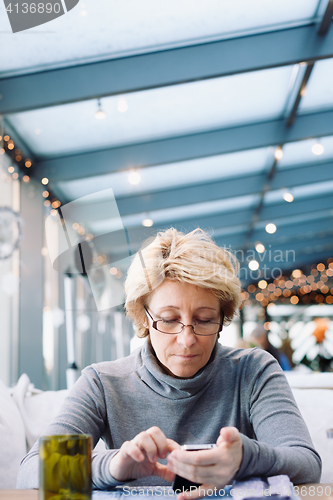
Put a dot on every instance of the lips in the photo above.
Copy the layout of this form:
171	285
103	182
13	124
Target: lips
186	356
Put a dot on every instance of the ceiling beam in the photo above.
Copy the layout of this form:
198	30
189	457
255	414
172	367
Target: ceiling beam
163	68
326	19
298	92
183	148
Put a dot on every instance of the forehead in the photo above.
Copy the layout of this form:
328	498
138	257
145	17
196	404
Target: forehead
180	294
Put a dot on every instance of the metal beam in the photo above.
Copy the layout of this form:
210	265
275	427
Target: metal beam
305	73
186	147
326	19
160	69
300	87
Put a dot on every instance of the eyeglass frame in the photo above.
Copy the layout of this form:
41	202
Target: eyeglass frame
184	326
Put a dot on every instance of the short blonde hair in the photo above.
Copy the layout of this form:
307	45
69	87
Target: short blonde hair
193	258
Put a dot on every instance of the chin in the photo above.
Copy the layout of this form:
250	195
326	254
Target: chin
183	373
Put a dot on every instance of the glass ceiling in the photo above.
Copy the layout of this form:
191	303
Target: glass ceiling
171	175
299	153
111	28
192	211
157	113
300	192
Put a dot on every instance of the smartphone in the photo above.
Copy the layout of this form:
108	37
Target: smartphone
181	484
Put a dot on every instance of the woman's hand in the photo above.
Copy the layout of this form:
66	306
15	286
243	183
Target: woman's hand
213	468
138	458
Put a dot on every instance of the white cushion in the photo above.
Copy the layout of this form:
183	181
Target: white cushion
316	406
37	408
12	439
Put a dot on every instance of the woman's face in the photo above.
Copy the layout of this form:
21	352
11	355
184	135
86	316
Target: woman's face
182	355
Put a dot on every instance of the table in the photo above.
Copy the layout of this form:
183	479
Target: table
318	491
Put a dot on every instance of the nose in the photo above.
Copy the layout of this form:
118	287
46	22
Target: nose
187	337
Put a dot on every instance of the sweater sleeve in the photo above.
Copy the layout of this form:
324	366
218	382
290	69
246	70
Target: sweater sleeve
83	412
282	443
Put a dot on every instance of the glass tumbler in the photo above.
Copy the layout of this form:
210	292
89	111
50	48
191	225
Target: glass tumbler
65	467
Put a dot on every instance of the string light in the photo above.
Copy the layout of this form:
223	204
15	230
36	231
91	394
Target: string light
28	163
278	153
270	228
26	178
253	265
45	181
262	284
260	247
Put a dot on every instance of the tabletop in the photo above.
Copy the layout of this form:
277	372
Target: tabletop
318	491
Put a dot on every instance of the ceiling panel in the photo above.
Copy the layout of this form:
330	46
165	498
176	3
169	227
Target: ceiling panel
299	153
300	192
169	176
158	113
110	28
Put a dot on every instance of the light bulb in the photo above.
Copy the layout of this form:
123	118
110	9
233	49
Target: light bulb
270	228
147	222
288	197
317	149
253	265
260	247
134	178
278	153
100	115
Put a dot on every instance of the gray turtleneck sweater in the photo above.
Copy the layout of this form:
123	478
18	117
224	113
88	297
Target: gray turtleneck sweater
242	388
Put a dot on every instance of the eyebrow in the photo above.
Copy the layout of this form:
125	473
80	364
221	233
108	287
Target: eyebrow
177	308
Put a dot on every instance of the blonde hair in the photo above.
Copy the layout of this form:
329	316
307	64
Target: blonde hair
193	258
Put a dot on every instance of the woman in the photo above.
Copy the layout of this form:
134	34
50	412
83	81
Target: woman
182	386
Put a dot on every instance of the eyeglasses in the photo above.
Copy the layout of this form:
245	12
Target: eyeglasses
204	328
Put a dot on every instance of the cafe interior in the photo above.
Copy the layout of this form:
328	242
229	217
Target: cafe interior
122	119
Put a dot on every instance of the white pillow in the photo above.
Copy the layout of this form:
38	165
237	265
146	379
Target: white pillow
316	406
12	439
37	408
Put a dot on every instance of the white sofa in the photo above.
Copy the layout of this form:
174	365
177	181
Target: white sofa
25	412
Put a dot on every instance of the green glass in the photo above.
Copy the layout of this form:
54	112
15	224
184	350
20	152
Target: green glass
65	467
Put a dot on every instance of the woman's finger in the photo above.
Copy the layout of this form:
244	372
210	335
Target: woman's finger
197	492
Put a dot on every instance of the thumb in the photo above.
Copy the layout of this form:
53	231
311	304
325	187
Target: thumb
228	435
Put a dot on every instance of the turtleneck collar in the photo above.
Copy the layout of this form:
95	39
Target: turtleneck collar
170	387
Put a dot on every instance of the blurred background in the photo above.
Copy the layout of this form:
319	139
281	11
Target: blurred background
123	118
